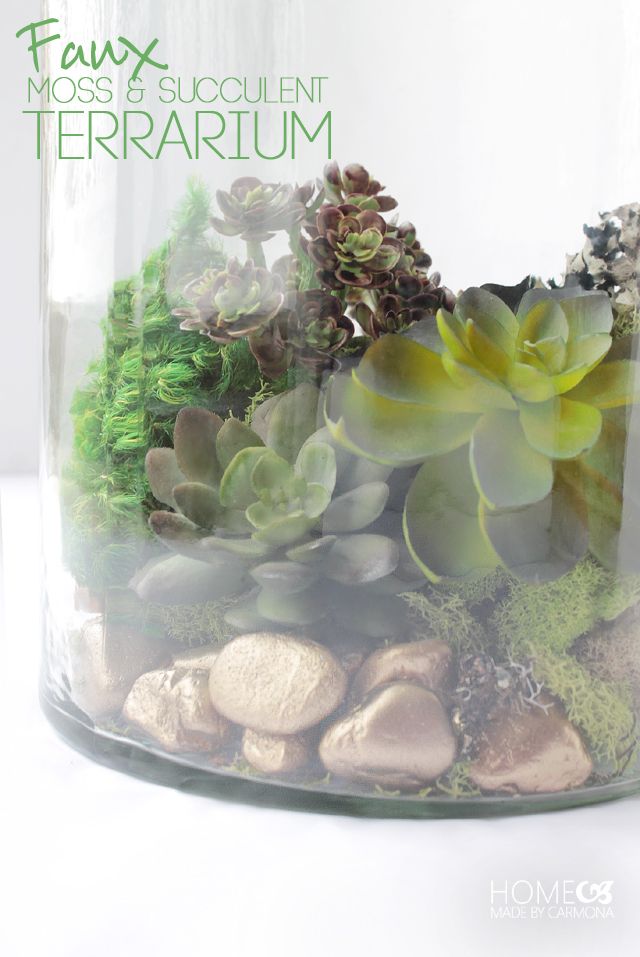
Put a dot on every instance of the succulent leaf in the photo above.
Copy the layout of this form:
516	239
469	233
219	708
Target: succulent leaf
356	559
234	436
316	463
285	578
506	470
236	488
356	509
163	474
194	441
199	503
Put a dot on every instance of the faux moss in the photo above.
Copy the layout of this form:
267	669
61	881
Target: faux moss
199	624
443	615
551	616
601	710
148	370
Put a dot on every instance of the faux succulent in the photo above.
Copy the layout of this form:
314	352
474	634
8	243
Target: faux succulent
353	247
356	187
410	299
309	329
519	424
233	302
256	211
284	509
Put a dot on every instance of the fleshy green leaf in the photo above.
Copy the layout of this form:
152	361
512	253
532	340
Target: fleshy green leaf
356	559
356	509
315	500
539	542
176	531
232	438
312	551
163	474
441	520
236	490
507	472
284	531
609	385
316	463
200	503
271	473
180	580
389	432
560	427
285	578
242	547
293	419
303	609
194	441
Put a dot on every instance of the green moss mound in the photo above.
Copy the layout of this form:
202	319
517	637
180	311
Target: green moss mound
148	370
601	710
554	614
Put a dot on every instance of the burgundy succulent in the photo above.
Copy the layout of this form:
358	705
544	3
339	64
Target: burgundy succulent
256	211
355	186
234	302
309	329
353	247
410	299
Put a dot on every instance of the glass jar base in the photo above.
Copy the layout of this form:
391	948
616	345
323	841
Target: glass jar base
139	760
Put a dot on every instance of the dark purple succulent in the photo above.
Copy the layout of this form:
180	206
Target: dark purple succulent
256	211
353	247
355	186
410	299
233	302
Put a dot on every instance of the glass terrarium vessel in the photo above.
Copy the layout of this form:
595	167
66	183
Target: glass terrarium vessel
340	480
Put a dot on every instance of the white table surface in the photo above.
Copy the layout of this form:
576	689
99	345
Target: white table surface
96	863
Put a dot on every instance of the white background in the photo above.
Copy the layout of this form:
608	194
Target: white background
98	864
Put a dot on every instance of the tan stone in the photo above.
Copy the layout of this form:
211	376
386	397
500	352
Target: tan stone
428	663
276	683
275	754
531	752
200	658
105	660
173	707
399	737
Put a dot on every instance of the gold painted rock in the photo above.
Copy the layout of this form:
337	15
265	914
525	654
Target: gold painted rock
275	754
200	659
276	683
531	752
428	663
106	660
173	707
399	737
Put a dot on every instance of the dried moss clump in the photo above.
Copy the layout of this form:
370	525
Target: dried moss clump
443	615
601	710
554	614
198	624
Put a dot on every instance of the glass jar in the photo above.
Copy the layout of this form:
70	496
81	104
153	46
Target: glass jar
339	505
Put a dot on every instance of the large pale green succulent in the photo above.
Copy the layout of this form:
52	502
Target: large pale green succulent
282	510
508	416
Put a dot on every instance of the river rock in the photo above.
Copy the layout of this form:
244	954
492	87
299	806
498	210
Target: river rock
173	707
531	751
199	659
276	683
428	663
399	737
106	659
275	754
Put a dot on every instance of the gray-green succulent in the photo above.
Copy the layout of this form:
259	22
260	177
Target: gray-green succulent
280	507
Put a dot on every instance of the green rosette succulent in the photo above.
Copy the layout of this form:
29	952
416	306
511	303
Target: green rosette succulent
518	422
256	211
231	303
277	507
